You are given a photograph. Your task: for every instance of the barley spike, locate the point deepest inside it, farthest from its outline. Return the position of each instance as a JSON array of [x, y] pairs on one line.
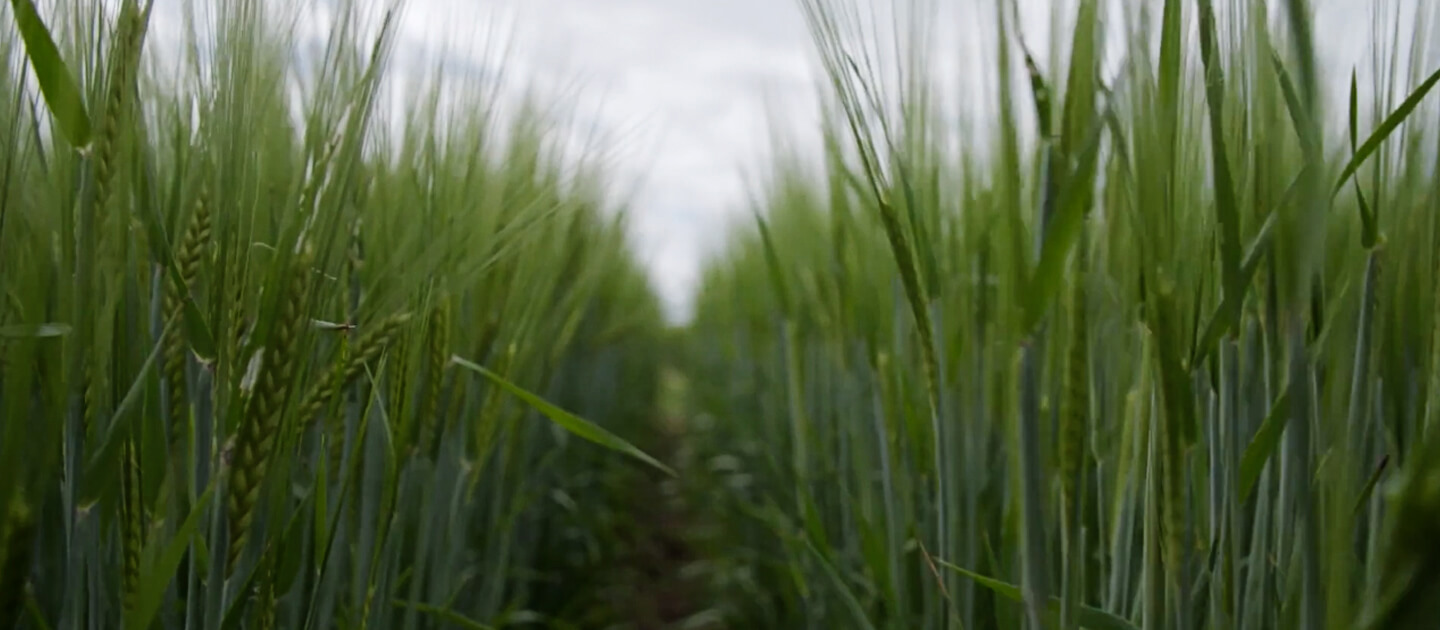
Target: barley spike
[[133, 523], [365, 350], [437, 347], [262, 420]]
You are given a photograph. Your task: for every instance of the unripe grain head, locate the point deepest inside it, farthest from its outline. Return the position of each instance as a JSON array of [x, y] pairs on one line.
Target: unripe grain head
[[261, 423]]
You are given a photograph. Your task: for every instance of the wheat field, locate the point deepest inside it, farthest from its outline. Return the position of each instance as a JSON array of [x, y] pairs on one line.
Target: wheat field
[[1143, 334]]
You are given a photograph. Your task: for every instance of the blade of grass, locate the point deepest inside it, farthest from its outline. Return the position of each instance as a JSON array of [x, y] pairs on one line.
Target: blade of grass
[[1089, 616], [57, 84], [158, 575], [575, 425], [34, 331], [1263, 445], [1387, 126], [1233, 283], [445, 615]]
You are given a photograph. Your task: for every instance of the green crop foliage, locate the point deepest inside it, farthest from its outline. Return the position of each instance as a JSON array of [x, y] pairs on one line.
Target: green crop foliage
[[1142, 334], [229, 316], [1143, 342]]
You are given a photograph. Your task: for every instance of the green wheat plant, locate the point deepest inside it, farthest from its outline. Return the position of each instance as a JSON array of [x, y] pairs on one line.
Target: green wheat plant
[[229, 316], [1142, 342]]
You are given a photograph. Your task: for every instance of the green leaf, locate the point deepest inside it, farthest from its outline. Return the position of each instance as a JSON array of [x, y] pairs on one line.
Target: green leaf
[[575, 425], [321, 530], [1298, 118], [772, 262], [1262, 446], [853, 605], [1370, 485], [1386, 127], [57, 84], [1369, 233], [156, 577], [1354, 112], [444, 614], [1227, 314], [97, 469], [1003, 589], [1226, 212], [1080, 86], [1090, 617], [286, 555], [1063, 233], [34, 331], [1039, 91]]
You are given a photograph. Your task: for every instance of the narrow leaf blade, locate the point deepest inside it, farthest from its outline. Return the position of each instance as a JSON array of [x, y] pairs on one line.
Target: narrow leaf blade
[[57, 84], [1263, 445], [575, 425], [1090, 617], [1386, 127], [158, 576]]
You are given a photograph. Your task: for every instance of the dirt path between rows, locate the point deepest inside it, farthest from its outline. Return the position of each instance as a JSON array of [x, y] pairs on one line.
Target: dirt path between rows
[[662, 597], [664, 591]]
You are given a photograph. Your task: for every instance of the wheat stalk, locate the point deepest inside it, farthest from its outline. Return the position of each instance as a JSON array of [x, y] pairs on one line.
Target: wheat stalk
[[265, 598], [1076, 404]]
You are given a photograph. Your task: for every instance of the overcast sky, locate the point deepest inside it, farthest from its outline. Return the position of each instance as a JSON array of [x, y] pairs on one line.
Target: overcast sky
[[683, 87], [682, 84], [685, 84]]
